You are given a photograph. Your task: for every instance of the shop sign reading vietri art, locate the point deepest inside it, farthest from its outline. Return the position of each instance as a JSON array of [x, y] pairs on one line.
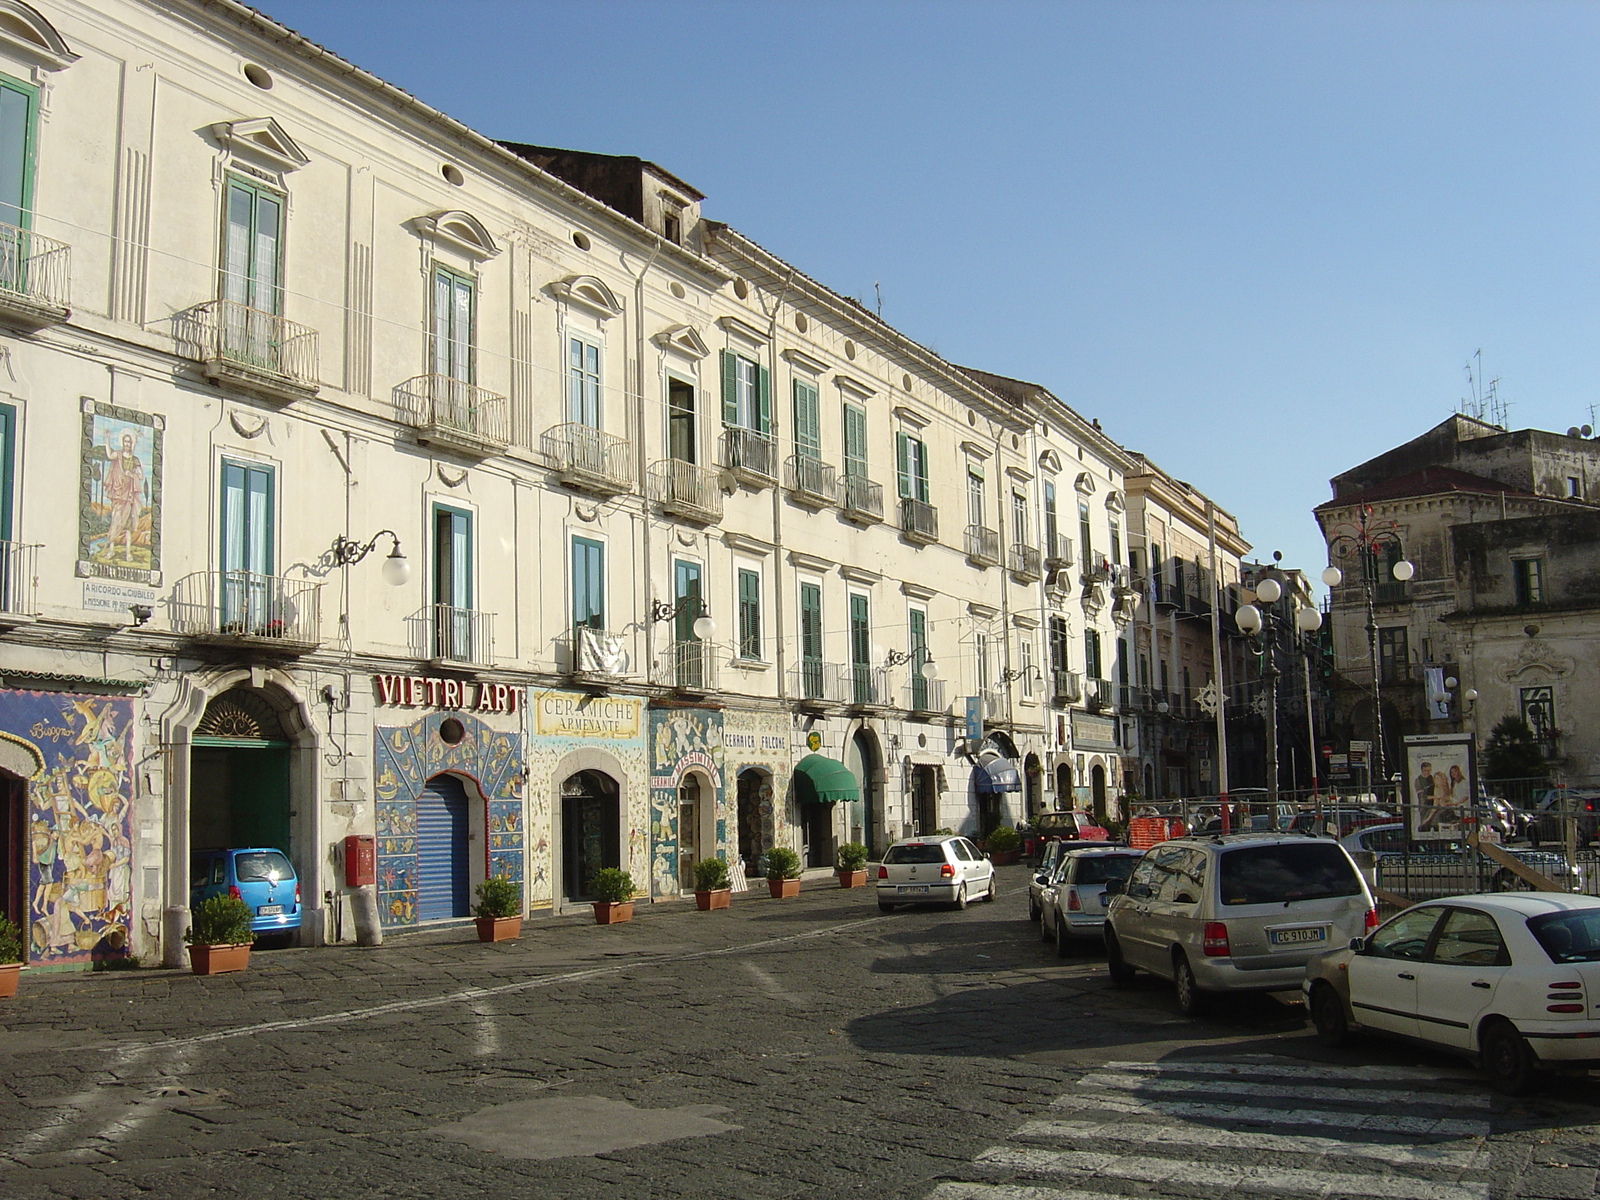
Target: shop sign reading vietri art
[[462, 695]]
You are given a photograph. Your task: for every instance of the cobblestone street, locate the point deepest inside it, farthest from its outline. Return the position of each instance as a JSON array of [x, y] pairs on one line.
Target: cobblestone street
[[808, 1047]]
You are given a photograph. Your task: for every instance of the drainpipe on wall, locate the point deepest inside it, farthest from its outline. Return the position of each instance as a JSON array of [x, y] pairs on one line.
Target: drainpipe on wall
[[641, 457]]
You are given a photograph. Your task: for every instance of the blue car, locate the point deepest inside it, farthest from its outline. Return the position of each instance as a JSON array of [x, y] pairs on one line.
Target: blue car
[[263, 878]]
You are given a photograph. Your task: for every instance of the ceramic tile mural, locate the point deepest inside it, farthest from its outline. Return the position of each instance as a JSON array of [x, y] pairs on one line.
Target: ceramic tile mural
[[119, 501], [560, 723], [80, 876], [680, 739], [406, 757]]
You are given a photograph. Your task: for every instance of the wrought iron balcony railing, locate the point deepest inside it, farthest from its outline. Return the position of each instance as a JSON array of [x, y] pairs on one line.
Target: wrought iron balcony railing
[[751, 456], [1025, 564], [19, 583], [983, 546], [455, 414], [865, 684], [812, 680], [919, 521], [687, 666], [860, 499], [589, 458], [1101, 693], [1057, 551], [35, 278], [811, 481], [442, 633], [597, 653], [243, 607], [250, 349], [1066, 687], [686, 490], [925, 695]]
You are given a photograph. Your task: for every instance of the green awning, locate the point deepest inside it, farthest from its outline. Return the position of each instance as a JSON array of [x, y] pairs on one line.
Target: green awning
[[828, 778]]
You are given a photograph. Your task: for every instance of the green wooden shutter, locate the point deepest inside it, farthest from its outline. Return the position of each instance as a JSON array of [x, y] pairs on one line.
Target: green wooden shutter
[[855, 440], [730, 388], [763, 400], [807, 427], [902, 451], [749, 615]]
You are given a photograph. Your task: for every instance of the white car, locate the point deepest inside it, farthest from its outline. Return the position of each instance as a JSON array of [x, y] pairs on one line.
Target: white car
[[1511, 979], [947, 869]]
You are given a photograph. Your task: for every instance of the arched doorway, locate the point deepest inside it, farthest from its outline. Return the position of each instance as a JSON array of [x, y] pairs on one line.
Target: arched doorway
[[864, 817], [1064, 796], [696, 825], [590, 831], [924, 801], [752, 835], [1032, 788], [1097, 793], [239, 776], [444, 867]]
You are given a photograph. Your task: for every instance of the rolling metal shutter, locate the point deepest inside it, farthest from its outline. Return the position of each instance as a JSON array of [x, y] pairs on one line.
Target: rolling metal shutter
[[443, 873]]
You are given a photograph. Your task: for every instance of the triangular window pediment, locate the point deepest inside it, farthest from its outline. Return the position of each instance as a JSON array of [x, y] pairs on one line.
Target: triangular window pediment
[[588, 292], [1085, 483], [682, 339], [261, 140], [23, 29], [461, 231]]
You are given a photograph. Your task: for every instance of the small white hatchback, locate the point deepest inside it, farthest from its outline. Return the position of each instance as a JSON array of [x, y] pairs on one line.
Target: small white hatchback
[[947, 869]]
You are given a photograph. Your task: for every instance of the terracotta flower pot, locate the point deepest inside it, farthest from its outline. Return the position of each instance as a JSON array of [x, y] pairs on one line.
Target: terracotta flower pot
[[1005, 858], [612, 912], [498, 929], [720, 898], [781, 888], [9, 974], [852, 879], [215, 960]]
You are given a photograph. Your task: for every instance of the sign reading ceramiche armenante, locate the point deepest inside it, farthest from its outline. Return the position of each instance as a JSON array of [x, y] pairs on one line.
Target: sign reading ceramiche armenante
[[462, 695], [586, 716]]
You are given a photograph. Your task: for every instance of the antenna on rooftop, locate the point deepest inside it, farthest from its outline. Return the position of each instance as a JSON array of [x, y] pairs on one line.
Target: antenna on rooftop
[[1483, 402], [879, 294]]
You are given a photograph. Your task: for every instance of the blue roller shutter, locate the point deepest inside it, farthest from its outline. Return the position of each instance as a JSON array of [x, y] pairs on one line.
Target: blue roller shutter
[[443, 872]]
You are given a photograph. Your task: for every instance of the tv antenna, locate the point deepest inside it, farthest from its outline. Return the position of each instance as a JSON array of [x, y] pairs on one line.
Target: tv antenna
[[1483, 402]]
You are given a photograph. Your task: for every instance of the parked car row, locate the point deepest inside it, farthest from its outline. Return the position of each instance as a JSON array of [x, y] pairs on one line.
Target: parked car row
[[1510, 979]]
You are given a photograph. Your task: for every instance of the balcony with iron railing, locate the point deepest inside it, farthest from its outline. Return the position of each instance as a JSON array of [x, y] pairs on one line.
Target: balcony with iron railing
[[752, 456], [589, 459], [1025, 563], [686, 490], [992, 704], [687, 666], [1057, 551], [860, 499], [449, 636], [919, 521], [1066, 687], [866, 686], [812, 681], [925, 695], [35, 278], [19, 584], [810, 481], [453, 414], [596, 654], [243, 608], [983, 546], [250, 350], [1099, 694]]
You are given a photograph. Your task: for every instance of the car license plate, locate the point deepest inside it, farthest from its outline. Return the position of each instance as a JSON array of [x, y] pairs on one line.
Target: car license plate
[[922, 888], [1297, 937], [269, 910]]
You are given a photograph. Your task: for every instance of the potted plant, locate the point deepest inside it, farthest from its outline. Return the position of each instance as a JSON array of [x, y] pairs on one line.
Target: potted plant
[[219, 935], [711, 888], [499, 911], [851, 862], [1004, 845], [613, 890], [783, 872], [10, 957]]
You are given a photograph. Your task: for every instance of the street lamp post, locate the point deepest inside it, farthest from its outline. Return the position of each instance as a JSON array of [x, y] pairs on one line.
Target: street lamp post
[[1370, 539], [1268, 630]]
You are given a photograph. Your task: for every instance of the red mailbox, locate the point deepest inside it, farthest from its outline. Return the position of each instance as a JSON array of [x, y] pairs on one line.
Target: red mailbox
[[360, 860]]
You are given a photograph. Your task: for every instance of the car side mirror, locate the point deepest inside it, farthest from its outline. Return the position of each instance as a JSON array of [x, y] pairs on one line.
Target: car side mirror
[[1115, 887], [986, 854], [1358, 944]]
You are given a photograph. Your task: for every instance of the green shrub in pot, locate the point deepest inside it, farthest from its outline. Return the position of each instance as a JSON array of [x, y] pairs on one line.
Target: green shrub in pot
[[782, 863], [710, 875], [612, 885], [851, 856]]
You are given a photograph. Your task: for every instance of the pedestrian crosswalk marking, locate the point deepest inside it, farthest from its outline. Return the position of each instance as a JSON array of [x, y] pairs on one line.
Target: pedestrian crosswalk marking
[[1238, 1086], [1253, 1177], [1461, 1157], [1245, 1114], [1401, 1076]]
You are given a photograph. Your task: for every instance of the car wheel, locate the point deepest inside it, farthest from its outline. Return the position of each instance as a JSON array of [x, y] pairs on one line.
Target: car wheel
[[884, 906], [1191, 1000], [1327, 1014], [1506, 1059], [994, 888], [1121, 973], [1064, 942], [1034, 911], [961, 897]]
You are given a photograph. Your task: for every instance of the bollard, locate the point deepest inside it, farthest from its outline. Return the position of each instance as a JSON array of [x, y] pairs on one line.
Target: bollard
[[364, 914]]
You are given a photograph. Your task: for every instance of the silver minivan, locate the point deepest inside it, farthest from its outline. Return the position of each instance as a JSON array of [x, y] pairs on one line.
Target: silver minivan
[[1240, 913]]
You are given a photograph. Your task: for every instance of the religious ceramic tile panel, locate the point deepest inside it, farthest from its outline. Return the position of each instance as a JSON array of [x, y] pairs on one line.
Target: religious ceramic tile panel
[[407, 756], [560, 723], [78, 816], [755, 747], [119, 494], [683, 740]]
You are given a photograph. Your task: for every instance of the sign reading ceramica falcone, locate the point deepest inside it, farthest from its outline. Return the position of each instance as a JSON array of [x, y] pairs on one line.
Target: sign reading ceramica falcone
[[567, 715]]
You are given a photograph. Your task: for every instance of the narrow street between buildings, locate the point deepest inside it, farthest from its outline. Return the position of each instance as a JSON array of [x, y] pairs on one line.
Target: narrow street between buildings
[[784, 1048]]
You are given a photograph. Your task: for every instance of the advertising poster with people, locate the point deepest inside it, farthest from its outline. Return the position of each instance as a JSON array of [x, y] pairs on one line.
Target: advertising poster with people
[[1439, 784]]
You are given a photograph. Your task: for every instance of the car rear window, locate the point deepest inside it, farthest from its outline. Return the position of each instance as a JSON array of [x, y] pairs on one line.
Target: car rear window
[[261, 865], [1570, 936], [918, 853], [1280, 874], [1100, 868]]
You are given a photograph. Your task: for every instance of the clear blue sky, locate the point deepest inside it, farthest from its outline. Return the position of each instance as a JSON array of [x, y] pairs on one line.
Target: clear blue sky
[[1259, 241]]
